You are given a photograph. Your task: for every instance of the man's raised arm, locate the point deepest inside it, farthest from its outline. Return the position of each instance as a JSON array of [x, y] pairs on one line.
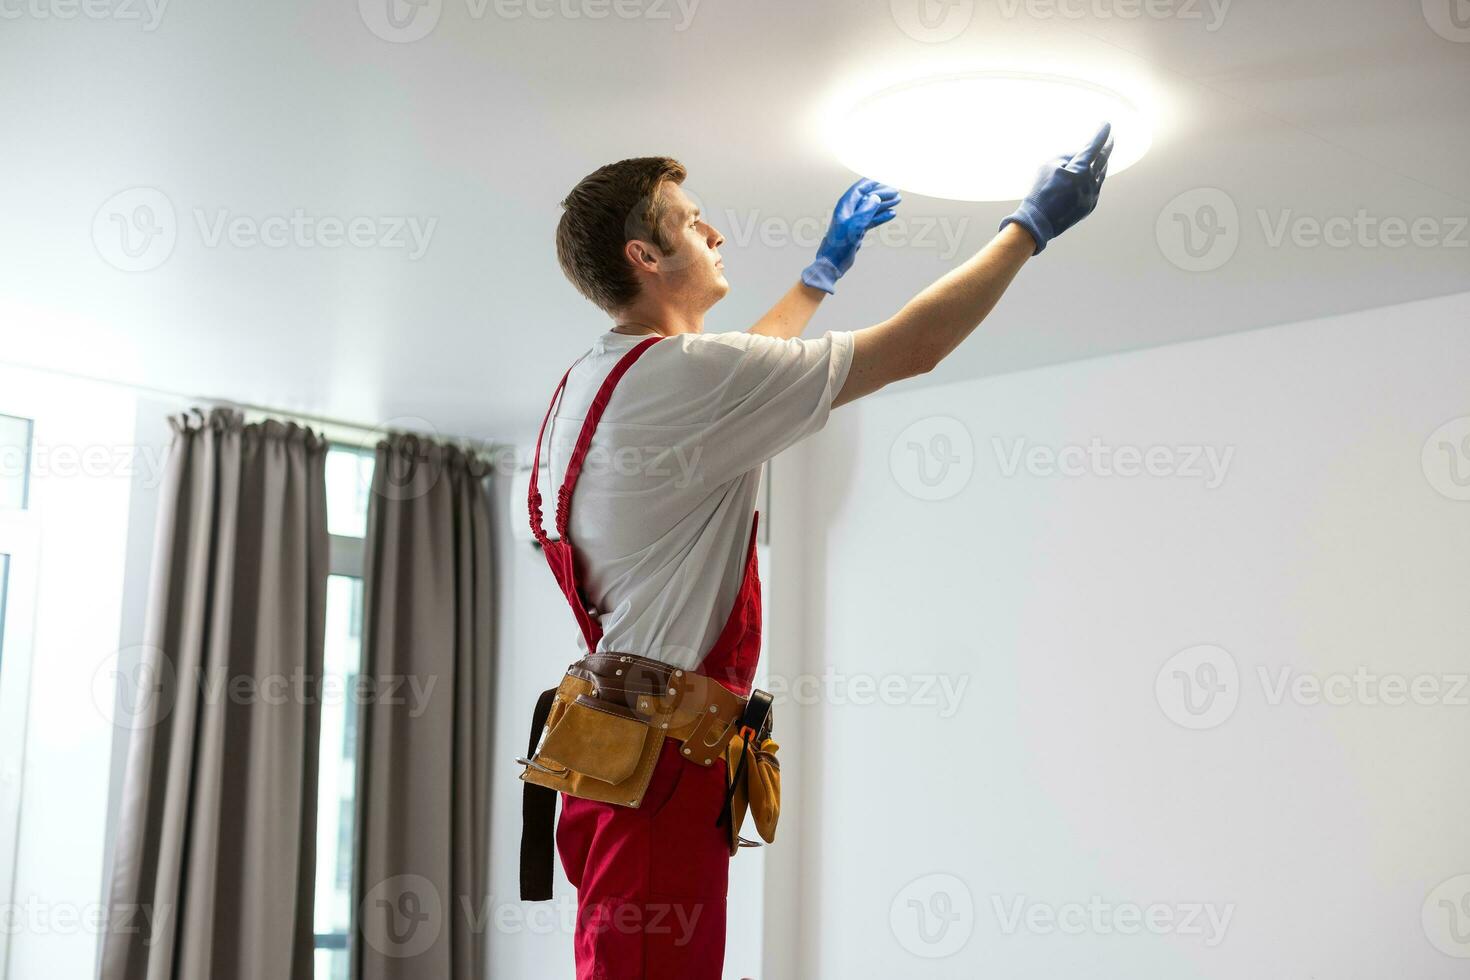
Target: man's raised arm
[[866, 204], [932, 324]]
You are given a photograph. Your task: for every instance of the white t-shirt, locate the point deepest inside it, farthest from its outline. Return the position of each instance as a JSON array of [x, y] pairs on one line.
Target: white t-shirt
[[661, 514]]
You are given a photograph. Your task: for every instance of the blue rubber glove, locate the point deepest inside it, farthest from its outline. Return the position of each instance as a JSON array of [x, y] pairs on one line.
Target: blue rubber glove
[[1066, 190], [866, 204]]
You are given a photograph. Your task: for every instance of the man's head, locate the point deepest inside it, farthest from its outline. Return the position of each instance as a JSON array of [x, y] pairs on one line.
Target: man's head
[[629, 235]]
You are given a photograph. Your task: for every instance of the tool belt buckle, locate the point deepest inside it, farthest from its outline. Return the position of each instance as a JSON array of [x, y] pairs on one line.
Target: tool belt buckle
[[699, 701]]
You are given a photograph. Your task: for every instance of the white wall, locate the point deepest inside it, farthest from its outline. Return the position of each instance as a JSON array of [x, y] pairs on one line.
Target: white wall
[[1054, 604], [83, 469]]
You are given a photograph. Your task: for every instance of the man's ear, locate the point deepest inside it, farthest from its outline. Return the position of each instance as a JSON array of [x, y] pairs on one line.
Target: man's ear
[[641, 254]]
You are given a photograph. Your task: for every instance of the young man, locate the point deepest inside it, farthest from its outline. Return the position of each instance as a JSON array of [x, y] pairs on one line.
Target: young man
[[663, 430]]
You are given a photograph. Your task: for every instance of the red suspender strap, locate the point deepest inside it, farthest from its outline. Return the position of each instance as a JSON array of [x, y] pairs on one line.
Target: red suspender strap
[[558, 553], [533, 499], [584, 440]]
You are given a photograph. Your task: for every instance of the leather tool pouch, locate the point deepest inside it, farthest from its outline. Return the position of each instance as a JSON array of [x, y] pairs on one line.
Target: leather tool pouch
[[593, 744], [754, 775]]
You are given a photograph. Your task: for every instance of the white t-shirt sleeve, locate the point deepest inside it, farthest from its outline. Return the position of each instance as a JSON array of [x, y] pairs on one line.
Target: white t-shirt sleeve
[[767, 394]]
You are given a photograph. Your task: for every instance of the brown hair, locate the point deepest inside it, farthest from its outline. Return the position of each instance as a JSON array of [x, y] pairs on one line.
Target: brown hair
[[607, 209]]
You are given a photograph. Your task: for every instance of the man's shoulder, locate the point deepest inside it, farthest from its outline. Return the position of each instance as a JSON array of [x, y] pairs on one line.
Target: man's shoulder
[[730, 345]]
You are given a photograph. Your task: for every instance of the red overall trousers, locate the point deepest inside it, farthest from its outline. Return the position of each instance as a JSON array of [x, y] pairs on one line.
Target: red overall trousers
[[651, 881]]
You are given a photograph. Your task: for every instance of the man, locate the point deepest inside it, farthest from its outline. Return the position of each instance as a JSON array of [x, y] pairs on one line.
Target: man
[[663, 433]]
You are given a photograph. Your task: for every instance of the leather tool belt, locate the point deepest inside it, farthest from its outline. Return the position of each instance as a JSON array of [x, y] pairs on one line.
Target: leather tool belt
[[599, 733]]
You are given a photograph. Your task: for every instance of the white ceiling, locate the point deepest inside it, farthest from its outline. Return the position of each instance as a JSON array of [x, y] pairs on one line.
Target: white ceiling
[[1308, 108]]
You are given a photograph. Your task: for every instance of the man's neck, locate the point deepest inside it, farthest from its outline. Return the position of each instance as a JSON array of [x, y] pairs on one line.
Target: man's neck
[[666, 323]]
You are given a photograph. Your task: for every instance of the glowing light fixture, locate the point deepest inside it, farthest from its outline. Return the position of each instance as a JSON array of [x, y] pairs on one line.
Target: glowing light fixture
[[980, 136]]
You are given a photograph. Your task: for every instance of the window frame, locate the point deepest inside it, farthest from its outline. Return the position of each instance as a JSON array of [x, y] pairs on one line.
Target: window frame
[[20, 540], [346, 559]]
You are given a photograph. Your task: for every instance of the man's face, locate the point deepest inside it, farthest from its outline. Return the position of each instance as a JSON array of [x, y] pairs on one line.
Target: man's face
[[694, 271]]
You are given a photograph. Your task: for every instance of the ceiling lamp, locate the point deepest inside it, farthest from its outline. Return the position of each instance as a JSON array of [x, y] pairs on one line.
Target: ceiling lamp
[[981, 136]]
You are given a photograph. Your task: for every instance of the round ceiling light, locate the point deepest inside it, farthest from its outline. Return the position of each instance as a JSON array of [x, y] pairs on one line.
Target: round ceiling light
[[981, 136]]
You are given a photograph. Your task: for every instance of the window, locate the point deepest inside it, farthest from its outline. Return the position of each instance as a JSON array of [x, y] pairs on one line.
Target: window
[[349, 475], [19, 539], [15, 462]]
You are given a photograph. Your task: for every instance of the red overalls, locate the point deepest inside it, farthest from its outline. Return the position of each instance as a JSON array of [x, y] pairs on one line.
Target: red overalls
[[651, 881]]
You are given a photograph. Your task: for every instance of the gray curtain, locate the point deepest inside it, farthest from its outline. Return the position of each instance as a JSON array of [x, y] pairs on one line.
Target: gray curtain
[[424, 755], [213, 875]]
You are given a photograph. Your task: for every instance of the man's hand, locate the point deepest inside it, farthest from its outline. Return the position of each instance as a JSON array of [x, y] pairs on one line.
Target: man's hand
[[1066, 190], [866, 204]]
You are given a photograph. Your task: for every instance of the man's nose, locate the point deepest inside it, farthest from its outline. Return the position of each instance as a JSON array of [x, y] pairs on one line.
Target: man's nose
[[716, 239]]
